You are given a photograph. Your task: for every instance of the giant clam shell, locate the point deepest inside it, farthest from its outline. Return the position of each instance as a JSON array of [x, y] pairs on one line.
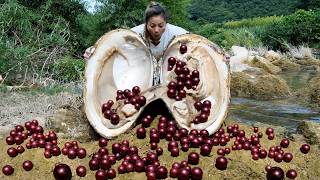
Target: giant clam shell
[[122, 60]]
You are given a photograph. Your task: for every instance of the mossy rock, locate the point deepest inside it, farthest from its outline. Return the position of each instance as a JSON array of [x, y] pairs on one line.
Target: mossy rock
[[71, 123], [265, 64], [307, 62], [311, 93], [264, 87], [287, 65], [310, 131]]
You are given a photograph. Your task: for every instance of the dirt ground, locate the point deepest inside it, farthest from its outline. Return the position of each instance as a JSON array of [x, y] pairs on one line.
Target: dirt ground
[[16, 108]]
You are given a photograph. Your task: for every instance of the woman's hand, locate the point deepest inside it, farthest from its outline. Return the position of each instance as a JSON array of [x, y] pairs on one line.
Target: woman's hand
[[89, 51], [226, 58]]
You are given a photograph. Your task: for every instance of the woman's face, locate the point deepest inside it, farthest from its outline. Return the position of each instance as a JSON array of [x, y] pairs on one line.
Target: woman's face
[[156, 26]]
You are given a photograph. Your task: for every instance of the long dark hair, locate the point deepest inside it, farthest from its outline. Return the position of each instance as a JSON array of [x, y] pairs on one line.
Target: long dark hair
[[153, 9]]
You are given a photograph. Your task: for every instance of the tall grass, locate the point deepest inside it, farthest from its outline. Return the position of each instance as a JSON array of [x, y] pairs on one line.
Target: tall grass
[[252, 22]]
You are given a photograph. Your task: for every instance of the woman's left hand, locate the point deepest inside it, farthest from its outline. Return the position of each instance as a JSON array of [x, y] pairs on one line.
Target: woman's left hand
[[226, 58]]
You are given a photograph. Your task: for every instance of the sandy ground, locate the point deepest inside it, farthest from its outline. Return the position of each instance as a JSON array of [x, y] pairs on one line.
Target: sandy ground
[[16, 108]]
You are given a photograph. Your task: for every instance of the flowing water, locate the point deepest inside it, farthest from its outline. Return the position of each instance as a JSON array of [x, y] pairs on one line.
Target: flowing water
[[286, 113]]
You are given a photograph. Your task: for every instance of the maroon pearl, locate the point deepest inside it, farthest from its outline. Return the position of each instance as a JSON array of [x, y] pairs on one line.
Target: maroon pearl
[[115, 119], [152, 156], [62, 171], [159, 151], [174, 172], [275, 173], [278, 158], [255, 156], [56, 151], [101, 175], [162, 172], [207, 104], [221, 163], [151, 176], [81, 153], [129, 167], [121, 169], [103, 142], [183, 48], [136, 90], [81, 171], [111, 173], [227, 150], [205, 150], [185, 147], [18, 139], [269, 131], [184, 174], [197, 105], [20, 149], [154, 137], [193, 158], [271, 136], [139, 166], [27, 165], [172, 61], [7, 170], [64, 151], [263, 154], [94, 164], [268, 167], [141, 133], [105, 164], [284, 143], [291, 174], [196, 173], [115, 148], [172, 144], [287, 157], [47, 154], [174, 152], [220, 152], [10, 140], [12, 152], [103, 151], [305, 148]]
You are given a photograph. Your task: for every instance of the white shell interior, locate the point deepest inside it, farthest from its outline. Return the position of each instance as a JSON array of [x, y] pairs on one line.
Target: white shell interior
[[214, 81], [120, 61]]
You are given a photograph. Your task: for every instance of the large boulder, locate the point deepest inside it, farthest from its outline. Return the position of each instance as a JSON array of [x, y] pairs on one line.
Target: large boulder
[[311, 93], [286, 65], [272, 56], [264, 87], [238, 62], [265, 64], [310, 131]]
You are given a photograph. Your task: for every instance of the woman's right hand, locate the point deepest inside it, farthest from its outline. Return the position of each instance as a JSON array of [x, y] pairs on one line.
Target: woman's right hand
[[89, 51]]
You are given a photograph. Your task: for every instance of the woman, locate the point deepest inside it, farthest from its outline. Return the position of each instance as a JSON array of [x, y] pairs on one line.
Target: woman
[[155, 30], [157, 34]]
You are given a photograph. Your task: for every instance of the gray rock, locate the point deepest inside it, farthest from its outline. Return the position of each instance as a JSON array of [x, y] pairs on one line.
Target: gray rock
[[310, 131], [70, 122]]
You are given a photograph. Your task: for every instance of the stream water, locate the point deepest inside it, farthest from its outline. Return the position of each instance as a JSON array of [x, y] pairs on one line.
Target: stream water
[[286, 113]]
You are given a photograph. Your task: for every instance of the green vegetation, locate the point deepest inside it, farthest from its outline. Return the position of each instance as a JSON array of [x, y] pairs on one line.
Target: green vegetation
[[41, 39], [227, 10]]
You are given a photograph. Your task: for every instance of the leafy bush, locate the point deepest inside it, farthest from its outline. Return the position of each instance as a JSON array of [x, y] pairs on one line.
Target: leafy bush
[[31, 41], [299, 28], [226, 37], [68, 69], [252, 22]]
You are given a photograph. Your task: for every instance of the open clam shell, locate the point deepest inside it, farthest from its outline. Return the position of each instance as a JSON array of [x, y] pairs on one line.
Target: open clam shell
[[208, 59], [122, 60]]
